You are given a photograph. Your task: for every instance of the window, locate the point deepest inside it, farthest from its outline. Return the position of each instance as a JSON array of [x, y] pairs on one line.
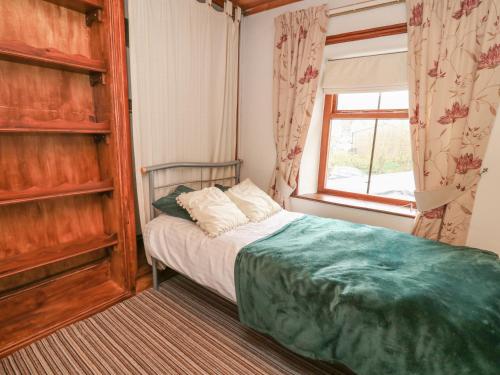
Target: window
[[366, 149]]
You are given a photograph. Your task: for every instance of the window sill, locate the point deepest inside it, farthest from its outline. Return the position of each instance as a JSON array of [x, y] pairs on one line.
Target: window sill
[[360, 204]]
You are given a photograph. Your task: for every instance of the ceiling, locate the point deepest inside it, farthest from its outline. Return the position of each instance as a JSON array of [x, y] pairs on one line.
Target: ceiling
[[255, 6]]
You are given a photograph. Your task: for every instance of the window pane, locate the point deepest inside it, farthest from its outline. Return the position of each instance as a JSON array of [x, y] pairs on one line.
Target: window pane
[[392, 174], [349, 155], [357, 101], [394, 100]]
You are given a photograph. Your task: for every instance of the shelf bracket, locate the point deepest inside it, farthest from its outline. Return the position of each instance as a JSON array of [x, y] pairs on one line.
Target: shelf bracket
[[94, 15], [97, 79]]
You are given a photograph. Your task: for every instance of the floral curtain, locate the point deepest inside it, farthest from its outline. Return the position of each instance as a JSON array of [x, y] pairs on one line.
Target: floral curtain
[[298, 51], [454, 67]]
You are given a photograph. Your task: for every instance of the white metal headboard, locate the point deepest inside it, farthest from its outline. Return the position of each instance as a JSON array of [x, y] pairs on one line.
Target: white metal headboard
[[151, 170]]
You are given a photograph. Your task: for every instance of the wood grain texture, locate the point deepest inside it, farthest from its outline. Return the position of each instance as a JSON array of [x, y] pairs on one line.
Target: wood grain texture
[[34, 161], [49, 255], [376, 32], [35, 312], [46, 116], [36, 93], [49, 57], [42, 24], [65, 190], [32, 226], [53, 126], [119, 153], [79, 5], [256, 6], [18, 281]]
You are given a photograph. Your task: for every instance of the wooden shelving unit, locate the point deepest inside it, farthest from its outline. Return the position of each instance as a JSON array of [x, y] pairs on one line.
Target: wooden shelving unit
[[67, 243], [40, 309], [25, 262], [55, 126], [79, 5], [49, 57], [38, 194]]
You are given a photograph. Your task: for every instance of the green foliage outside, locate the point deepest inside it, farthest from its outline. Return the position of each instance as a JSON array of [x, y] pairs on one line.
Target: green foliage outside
[[392, 151]]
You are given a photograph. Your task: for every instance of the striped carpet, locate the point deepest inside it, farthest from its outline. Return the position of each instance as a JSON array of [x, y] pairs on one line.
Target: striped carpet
[[184, 329]]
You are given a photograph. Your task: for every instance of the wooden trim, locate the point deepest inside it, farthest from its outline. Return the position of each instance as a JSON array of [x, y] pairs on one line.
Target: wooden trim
[[27, 261], [54, 126], [359, 204], [55, 303], [37, 194], [367, 197], [385, 113], [79, 5], [117, 60], [49, 57], [330, 104], [330, 112], [270, 4], [376, 32]]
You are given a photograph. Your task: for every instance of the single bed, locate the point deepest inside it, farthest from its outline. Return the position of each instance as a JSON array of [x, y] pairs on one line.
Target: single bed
[[376, 300], [185, 248]]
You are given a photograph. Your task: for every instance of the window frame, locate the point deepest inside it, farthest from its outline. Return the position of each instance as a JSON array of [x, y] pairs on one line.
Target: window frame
[[331, 112]]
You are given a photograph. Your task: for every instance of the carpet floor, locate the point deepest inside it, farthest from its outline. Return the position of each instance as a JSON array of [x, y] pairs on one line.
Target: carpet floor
[[183, 329]]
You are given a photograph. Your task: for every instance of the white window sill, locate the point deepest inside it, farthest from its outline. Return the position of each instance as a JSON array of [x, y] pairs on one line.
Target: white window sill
[[360, 204]]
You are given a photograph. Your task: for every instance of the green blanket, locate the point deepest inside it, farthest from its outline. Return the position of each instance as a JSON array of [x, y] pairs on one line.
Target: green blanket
[[379, 301]]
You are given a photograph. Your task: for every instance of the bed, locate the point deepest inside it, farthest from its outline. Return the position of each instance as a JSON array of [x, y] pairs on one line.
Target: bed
[[376, 300]]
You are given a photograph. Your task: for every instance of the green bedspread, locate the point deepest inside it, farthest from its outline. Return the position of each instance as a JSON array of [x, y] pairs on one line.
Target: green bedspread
[[379, 301]]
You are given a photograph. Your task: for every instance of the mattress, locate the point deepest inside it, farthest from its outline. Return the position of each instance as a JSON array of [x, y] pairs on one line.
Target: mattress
[[183, 246]]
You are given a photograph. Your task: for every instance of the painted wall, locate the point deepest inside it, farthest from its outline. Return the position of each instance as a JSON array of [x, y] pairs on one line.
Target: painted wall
[[256, 145]]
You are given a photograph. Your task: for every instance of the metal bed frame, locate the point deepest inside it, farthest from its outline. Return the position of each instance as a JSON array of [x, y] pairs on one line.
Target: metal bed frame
[[152, 170]]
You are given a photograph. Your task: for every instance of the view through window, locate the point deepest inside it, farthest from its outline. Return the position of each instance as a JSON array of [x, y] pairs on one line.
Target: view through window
[[368, 151]]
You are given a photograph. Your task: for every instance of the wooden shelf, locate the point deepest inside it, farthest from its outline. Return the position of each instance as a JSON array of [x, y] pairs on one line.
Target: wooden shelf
[[79, 5], [35, 194], [33, 259], [34, 312], [54, 126], [48, 57]]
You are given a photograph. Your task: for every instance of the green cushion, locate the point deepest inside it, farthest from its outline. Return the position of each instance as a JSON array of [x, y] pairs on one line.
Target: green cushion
[[168, 203], [222, 187]]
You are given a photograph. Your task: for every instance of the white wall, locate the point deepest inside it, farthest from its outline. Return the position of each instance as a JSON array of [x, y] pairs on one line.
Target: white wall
[[484, 229], [256, 146]]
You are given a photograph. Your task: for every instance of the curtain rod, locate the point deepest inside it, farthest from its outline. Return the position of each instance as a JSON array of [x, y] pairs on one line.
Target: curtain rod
[[365, 5]]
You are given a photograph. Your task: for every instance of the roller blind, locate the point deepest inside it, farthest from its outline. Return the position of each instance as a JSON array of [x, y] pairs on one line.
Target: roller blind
[[366, 74]]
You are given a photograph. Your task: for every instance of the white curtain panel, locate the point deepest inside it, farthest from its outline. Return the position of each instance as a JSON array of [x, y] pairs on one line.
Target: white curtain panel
[[184, 71]]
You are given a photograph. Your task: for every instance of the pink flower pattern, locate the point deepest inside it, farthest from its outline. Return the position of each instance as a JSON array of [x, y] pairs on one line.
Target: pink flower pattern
[[414, 119], [490, 59], [456, 112], [454, 59], [435, 72], [295, 78], [435, 213], [466, 7], [282, 40], [302, 33], [309, 74], [417, 15], [467, 162]]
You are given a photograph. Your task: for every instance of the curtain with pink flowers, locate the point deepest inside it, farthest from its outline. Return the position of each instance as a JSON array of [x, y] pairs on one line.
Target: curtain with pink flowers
[[298, 50], [454, 65]]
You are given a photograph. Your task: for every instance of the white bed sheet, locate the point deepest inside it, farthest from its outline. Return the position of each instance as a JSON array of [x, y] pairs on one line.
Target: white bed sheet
[[182, 246]]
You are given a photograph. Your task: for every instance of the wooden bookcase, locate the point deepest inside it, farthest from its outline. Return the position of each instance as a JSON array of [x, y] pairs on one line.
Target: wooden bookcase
[[67, 227]]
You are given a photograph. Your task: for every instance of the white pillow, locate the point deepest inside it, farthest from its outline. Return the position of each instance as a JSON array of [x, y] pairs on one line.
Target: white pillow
[[252, 201], [213, 210]]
